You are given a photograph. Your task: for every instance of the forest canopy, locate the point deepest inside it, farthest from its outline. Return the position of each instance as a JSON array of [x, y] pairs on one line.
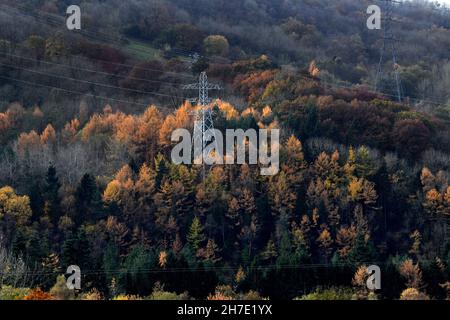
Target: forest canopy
[[86, 176]]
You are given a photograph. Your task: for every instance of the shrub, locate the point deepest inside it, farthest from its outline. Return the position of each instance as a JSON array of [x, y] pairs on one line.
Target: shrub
[[38, 294], [11, 293], [413, 294], [329, 294]]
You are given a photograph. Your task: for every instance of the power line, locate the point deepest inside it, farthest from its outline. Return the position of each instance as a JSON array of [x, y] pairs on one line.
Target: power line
[[119, 44], [203, 124], [213, 268], [336, 86], [388, 41], [74, 92], [179, 74], [192, 76], [87, 70], [93, 83], [99, 36]]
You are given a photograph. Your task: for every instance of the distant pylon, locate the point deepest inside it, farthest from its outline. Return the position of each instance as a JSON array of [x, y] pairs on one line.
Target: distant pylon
[[203, 124], [388, 44]]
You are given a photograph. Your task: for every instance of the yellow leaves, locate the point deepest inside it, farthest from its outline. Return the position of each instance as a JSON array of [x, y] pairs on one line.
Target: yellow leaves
[[112, 192], [427, 179], [350, 166], [250, 112], [70, 130], [328, 184], [412, 273], [5, 193], [313, 69], [240, 275], [315, 216], [327, 167], [33, 142], [218, 296], [151, 114], [227, 109], [305, 224], [38, 294], [48, 136], [282, 197], [209, 253], [224, 292], [145, 185], [93, 295], [180, 119], [359, 278], [322, 163], [100, 125], [416, 237], [437, 193], [433, 195], [162, 261], [127, 297], [345, 239], [437, 203], [362, 190], [413, 294], [294, 145], [125, 129], [355, 188], [295, 159], [15, 206], [19, 208], [4, 123], [28, 142], [125, 175], [447, 196], [324, 239], [335, 156]]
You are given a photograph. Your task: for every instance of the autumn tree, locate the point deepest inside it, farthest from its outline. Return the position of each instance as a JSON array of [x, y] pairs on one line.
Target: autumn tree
[[14, 206]]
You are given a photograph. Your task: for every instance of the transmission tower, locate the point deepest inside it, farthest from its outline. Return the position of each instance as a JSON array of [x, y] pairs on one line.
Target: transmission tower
[[203, 123], [389, 44]]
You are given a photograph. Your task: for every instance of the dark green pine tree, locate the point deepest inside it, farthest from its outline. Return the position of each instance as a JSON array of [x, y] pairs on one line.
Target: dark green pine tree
[[312, 119], [69, 250], [88, 201], [161, 169], [52, 201], [285, 255], [363, 251], [36, 201], [76, 250], [111, 261], [135, 277]]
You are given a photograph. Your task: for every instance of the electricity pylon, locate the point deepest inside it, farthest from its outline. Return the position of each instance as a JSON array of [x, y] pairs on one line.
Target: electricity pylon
[[203, 124], [389, 44]]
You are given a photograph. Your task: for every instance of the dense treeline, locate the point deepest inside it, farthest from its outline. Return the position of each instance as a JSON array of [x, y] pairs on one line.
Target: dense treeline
[[292, 33], [117, 207], [364, 180]]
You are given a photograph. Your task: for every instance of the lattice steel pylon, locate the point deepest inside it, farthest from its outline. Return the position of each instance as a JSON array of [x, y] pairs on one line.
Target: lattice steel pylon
[[389, 43], [203, 124]]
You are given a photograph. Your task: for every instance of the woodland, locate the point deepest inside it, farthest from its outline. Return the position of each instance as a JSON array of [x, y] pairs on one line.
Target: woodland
[[86, 177]]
